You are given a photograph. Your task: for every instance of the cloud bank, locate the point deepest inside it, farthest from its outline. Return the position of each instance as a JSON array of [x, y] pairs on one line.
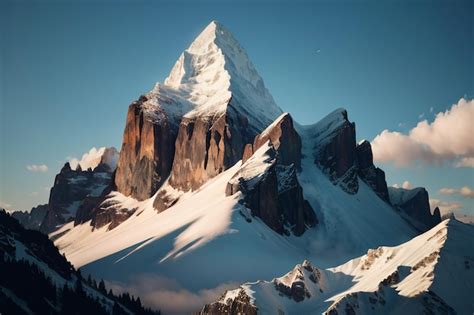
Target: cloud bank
[[463, 191], [94, 157], [37, 168], [448, 138]]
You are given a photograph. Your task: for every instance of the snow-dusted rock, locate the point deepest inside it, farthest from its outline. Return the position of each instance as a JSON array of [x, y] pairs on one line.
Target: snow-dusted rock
[[70, 189], [272, 192], [335, 149], [284, 139], [414, 204]]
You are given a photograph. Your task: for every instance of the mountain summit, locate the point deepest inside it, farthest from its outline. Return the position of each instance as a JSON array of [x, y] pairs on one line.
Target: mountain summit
[[214, 70], [196, 124]]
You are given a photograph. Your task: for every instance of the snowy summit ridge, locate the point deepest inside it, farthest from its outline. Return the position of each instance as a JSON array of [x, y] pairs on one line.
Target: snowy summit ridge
[[213, 73]]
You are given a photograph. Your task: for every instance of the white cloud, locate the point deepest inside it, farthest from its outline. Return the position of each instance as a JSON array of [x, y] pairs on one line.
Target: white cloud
[[167, 295], [465, 162], [37, 168], [421, 115], [93, 158], [447, 138], [33, 194], [89, 159], [431, 109], [445, 206], [406, 185], [463, 191]]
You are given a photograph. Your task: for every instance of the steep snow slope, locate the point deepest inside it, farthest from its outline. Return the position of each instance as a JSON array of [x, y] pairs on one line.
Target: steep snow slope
[[430, 273]]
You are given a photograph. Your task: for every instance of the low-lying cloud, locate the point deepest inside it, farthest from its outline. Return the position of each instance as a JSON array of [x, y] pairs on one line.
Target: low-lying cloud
[[37, 168], [463, 191], [448, 138], [168, 295]]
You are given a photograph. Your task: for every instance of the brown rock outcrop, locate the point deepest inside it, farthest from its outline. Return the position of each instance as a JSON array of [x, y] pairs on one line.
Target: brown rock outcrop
[[273, 193], [206, 146], [147, 150], [285, 140], [335, 150]]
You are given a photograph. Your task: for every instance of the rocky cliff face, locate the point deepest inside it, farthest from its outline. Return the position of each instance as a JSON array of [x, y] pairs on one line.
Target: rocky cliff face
[[337, 153], [284, 138], [415, 204], [206, 146], [372, 175], [335, 149], [269, 183], [70, 189], [147, 150]]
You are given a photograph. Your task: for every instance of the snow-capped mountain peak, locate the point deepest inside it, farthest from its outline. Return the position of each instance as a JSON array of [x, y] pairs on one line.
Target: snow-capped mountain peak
[[215, 69]]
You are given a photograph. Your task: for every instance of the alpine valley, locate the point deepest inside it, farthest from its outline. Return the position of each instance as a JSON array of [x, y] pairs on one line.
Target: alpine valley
[[220, 203]]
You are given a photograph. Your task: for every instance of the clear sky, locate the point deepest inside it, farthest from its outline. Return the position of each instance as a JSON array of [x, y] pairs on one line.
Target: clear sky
[[70, 69]]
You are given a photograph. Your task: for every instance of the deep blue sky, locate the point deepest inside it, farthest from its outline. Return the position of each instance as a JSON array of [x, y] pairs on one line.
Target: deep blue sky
[[69, 71]]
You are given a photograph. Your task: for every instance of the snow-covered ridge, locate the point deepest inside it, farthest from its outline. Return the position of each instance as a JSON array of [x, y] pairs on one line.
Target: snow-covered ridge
[[432, 272], [214, 70]]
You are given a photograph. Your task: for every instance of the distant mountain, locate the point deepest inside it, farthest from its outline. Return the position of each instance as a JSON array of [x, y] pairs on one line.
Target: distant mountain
[[431, 274], [36, 279], [32, 220], [414, 205], [71, 189]]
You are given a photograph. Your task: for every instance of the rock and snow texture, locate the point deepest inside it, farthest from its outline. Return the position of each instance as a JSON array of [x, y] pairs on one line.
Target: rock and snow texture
[[72, 187], [199, 168], [197, 123], [430, 274], [414, 204]]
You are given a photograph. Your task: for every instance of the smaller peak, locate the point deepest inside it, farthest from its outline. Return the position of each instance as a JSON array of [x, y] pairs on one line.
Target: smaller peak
[[363, 142], [211, 32]]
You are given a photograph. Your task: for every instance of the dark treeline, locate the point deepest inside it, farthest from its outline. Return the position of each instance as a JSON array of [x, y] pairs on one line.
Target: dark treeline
[[25, 288]]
